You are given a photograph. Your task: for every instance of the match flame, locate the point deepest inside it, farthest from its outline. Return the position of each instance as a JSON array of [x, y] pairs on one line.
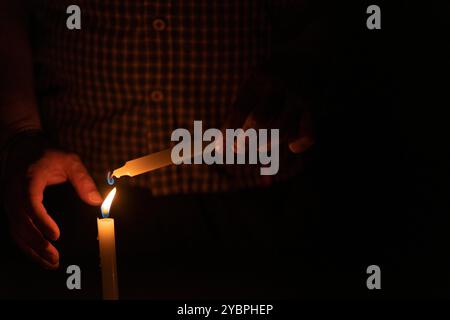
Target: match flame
[[106, 205]]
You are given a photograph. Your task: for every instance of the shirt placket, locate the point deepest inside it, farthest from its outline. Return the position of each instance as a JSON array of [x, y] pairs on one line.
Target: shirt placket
[[159, 117]]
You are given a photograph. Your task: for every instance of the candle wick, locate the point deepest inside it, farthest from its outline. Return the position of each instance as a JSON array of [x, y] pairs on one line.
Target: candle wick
[[104, 214]]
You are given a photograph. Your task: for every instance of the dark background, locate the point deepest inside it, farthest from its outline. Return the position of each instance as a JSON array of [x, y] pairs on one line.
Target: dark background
[[375, 190]]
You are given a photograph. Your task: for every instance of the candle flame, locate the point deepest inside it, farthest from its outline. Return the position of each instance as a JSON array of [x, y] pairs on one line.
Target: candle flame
[[106, 205], [110, 178]]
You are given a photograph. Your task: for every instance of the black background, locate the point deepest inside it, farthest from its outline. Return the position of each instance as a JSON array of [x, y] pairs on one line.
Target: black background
[[375, 189]]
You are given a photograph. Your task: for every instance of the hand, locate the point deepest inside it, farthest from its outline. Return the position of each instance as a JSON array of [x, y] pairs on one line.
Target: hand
[[266, 101], [31, 226]]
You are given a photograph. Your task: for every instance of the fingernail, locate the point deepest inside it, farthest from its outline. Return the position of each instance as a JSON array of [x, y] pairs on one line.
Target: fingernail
[[54, 236], [94, 196], [51, 266], [50, 257]]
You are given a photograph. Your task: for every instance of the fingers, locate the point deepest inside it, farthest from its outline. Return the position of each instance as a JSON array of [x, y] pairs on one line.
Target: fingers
[[300, 145], [30, 223], [36, 210], [264, 102], [82, 181], [241, 142], [302, 140], [252, 122], [57, 168], [33, 255], [305, 138], [32, 242]]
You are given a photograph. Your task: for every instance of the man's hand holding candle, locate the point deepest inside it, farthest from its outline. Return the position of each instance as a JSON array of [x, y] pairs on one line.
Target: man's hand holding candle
[[30, 168], [267, 100]]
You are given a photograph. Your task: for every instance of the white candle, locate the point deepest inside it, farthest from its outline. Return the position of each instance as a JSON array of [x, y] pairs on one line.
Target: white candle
[[152, 162], [145, 164], [107, 245]]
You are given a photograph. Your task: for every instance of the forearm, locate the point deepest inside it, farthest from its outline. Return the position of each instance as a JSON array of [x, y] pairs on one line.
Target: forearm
[[18, 109]]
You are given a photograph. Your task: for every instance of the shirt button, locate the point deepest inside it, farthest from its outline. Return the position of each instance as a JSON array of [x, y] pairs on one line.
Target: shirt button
[[157, 96], [159, 24]]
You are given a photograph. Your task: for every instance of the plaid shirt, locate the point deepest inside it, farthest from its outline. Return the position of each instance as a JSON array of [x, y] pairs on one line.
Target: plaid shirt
[[137, 70]]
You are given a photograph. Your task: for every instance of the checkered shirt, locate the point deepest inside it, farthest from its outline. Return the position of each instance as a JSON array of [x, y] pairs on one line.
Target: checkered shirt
[[116, 89]]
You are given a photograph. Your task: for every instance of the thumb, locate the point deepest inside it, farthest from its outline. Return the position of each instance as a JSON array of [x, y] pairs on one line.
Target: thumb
[[305, 138], [301, 144], [82, 181]]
